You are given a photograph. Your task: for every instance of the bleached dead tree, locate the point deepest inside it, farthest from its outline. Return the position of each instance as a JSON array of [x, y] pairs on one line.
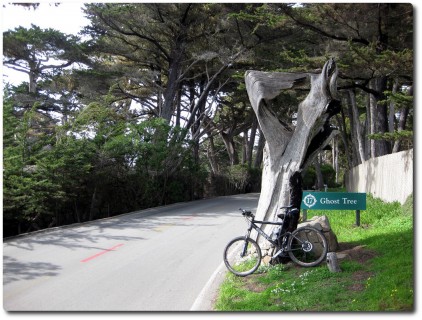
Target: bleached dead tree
[[289, 149]]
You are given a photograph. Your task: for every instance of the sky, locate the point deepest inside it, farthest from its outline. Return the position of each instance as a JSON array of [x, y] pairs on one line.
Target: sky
[[67, 17]]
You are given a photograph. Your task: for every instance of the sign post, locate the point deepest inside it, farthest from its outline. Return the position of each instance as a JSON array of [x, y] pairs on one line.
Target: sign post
[[334, 201]]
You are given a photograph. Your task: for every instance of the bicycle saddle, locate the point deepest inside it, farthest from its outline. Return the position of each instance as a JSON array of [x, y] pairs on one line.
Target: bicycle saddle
[[289, 212]]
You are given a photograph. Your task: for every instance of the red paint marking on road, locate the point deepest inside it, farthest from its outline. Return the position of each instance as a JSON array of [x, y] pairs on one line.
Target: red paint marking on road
[[190, 217], [101, 253]]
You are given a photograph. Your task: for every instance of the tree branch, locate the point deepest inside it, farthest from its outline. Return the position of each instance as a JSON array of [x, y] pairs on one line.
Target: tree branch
[[289, 12]]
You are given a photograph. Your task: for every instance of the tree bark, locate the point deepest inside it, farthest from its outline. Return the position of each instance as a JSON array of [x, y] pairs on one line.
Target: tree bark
[[356, 127], [170, 92], [250, 144], [92, 206], [404, 112], [289, 149], [392, 107], [379, 119], [319, 184], [335, 158], [211, 156], [259, 150], [230, 147]]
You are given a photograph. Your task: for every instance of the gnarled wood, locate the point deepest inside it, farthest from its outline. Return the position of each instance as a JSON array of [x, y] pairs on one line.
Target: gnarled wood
[[290, 149]]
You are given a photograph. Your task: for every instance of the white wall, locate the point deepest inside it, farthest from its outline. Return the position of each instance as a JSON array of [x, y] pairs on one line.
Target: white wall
[[388, 177]]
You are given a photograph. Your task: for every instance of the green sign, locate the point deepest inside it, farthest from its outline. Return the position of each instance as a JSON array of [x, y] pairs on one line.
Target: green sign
[[333, 201]]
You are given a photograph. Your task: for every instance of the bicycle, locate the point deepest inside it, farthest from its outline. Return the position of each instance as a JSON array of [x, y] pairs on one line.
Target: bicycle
[[306, 246]]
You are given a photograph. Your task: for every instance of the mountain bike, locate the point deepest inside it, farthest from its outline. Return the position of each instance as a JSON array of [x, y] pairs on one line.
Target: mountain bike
[[305, 246]]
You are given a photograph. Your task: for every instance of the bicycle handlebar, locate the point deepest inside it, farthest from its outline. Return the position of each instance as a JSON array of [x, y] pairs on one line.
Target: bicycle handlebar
[[246, 213], [249, 213]]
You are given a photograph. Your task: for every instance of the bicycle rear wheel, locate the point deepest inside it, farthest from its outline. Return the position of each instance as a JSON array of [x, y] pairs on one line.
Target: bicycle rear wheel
[[307, 247], [242, 256]]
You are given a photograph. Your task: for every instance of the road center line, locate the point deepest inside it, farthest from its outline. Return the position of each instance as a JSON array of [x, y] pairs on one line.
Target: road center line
[[101, 253]]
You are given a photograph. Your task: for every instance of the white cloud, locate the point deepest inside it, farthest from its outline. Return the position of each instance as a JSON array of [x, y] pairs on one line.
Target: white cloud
[[66, 17]]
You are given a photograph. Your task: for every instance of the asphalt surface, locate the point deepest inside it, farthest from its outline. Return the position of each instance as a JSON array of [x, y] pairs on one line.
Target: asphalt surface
[[162, 259]]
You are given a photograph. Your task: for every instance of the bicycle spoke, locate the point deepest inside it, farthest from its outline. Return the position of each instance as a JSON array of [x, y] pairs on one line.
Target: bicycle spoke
[[239, 263], [308, 246]]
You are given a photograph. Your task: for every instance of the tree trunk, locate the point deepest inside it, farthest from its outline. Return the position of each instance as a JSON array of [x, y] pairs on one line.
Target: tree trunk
[[211, 156], [335, 158], [367, 128], [230, 147], [289, 150], [341, 120], [319, 184], [172, 88], [93, 203], [259, 150], [78, 218], [392, 107], [251, 142], [401, 126], [379, 119], [356, 127], [404, 112]]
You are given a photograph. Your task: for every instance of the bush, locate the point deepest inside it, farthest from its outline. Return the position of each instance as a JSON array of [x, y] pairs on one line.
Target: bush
[[328, 175], [243, 178]]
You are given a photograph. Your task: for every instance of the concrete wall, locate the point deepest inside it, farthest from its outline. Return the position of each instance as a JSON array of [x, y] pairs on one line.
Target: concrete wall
[[388, 177]]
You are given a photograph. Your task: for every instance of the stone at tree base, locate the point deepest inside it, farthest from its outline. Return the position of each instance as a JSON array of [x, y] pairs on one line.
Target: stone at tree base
[[322, 224], [266, 260], [343, 256]]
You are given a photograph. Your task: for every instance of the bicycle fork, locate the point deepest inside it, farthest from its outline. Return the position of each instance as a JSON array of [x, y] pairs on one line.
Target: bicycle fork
[[245, 247]]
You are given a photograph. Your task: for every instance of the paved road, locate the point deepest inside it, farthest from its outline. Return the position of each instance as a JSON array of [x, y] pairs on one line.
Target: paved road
[[158, 259]]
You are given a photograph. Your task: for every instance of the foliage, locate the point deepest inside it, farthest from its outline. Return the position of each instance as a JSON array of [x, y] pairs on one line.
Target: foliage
[[374, 285], [404, 135], [328, 174], [243, 177]]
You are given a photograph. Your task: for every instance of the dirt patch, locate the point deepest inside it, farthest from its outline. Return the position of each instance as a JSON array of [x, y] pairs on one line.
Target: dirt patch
[[362, 255], [252, 285], [359, 254], [359, 280]]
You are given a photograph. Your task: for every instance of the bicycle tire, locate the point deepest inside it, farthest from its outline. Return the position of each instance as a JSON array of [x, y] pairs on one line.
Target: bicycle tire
[[307, 247], [242, 265]]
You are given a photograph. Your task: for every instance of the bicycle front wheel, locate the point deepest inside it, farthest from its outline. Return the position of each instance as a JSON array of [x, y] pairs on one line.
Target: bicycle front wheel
[[242, 256], [307, 247]]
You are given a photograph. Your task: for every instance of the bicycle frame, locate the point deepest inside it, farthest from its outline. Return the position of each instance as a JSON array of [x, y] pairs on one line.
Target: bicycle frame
[[252, 225]]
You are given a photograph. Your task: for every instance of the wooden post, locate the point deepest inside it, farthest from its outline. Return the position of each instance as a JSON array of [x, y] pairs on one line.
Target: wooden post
[[358, 218], [304, 215], [332, 262]]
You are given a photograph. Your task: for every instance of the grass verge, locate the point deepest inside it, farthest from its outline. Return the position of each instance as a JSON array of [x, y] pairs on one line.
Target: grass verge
[[378, 274]]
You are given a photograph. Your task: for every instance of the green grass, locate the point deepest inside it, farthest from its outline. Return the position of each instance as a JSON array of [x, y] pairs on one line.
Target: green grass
[[380, 278]]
